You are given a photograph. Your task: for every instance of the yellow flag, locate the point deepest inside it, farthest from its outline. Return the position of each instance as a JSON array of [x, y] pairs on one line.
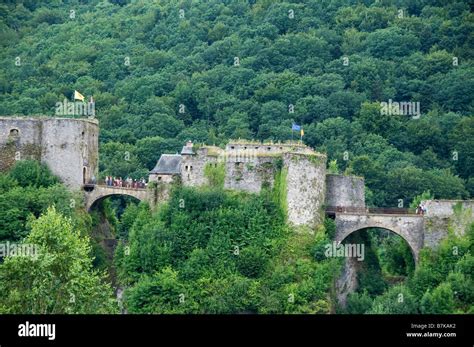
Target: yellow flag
[[78, 96], [302, 132]]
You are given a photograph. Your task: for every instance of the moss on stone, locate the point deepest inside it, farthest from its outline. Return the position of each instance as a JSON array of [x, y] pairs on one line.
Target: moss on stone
[[316, 158], [215, 174], [280, 190]]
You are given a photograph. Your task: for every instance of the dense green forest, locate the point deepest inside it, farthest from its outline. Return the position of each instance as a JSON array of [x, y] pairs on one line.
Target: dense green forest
[[163, 72]]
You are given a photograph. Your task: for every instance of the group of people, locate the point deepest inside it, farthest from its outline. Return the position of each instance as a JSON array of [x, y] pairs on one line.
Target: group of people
[[126, 183], [421, 208]]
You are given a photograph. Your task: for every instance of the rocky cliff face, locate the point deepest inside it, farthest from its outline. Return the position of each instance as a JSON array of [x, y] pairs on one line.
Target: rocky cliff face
[[347, 282]]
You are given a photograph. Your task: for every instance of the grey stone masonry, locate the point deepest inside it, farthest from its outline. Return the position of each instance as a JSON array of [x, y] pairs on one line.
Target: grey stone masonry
[[68, 146], [249, 174], [100, 192], [443, 216], [306, 187], [345, 191], [409, 227]]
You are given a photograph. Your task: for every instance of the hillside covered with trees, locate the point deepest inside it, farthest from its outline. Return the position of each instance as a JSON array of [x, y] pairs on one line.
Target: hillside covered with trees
[[164, 72]]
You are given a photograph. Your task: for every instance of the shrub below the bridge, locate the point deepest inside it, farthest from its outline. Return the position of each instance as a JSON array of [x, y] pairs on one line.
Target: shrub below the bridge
[[222, 252]]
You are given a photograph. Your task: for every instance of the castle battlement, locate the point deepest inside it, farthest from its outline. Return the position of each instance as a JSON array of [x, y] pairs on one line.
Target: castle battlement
[[248, 148], [263, 148]]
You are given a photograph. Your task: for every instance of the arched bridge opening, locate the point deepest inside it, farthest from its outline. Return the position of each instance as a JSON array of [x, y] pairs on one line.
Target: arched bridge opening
[[342, 239], [407, 225], [94, 194]]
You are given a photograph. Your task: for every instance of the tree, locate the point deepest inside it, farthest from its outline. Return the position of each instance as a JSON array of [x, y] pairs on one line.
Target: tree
[[358, 303], [162, 293], [149, 149], [462, 146], [40, 189], [440, 301], [56, 279], [391, 43], [121, 160], [397, 300], [32, 173]]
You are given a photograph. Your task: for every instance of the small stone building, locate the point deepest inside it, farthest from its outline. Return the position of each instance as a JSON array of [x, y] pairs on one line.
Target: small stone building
[[168, 166]]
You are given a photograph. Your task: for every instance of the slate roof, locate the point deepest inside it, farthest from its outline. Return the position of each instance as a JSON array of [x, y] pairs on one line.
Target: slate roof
[[168, 164], [187, 150]]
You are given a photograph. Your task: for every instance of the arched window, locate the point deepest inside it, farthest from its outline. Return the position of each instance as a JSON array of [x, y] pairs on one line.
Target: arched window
[[14, 132]]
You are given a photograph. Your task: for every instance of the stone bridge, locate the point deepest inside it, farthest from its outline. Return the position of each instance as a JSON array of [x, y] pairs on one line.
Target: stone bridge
[[409, 226], [94, 193]]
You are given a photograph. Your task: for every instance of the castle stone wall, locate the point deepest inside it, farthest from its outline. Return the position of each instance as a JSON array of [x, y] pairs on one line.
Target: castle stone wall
[[444, 215], [267, 149], [67, 146], [306, 188], [249, 174], [192, 167], [345, 191]]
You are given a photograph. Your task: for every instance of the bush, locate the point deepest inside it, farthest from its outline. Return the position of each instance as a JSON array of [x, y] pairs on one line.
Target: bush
[[439, 301], [32, 173], [358, 303], [252, 261], [397, 300]]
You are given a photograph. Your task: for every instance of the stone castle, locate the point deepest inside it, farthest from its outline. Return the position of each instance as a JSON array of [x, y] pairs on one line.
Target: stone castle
[[70, 149], [250, 166]]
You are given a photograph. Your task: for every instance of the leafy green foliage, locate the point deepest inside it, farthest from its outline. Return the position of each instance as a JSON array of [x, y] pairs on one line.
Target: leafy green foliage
[[59, 278], [358, 303], [29, 173], [232, 70], [28, 190], [211, 251], [419, 198], [215, 174], [397, 300]]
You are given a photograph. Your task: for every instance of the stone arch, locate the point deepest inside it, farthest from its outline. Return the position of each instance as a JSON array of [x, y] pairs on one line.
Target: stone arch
[[409, 227], [97, 193], [102, 197], [413, 248]]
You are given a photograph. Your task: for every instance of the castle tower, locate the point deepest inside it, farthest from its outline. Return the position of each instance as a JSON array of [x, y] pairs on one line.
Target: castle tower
[[69, 147]]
